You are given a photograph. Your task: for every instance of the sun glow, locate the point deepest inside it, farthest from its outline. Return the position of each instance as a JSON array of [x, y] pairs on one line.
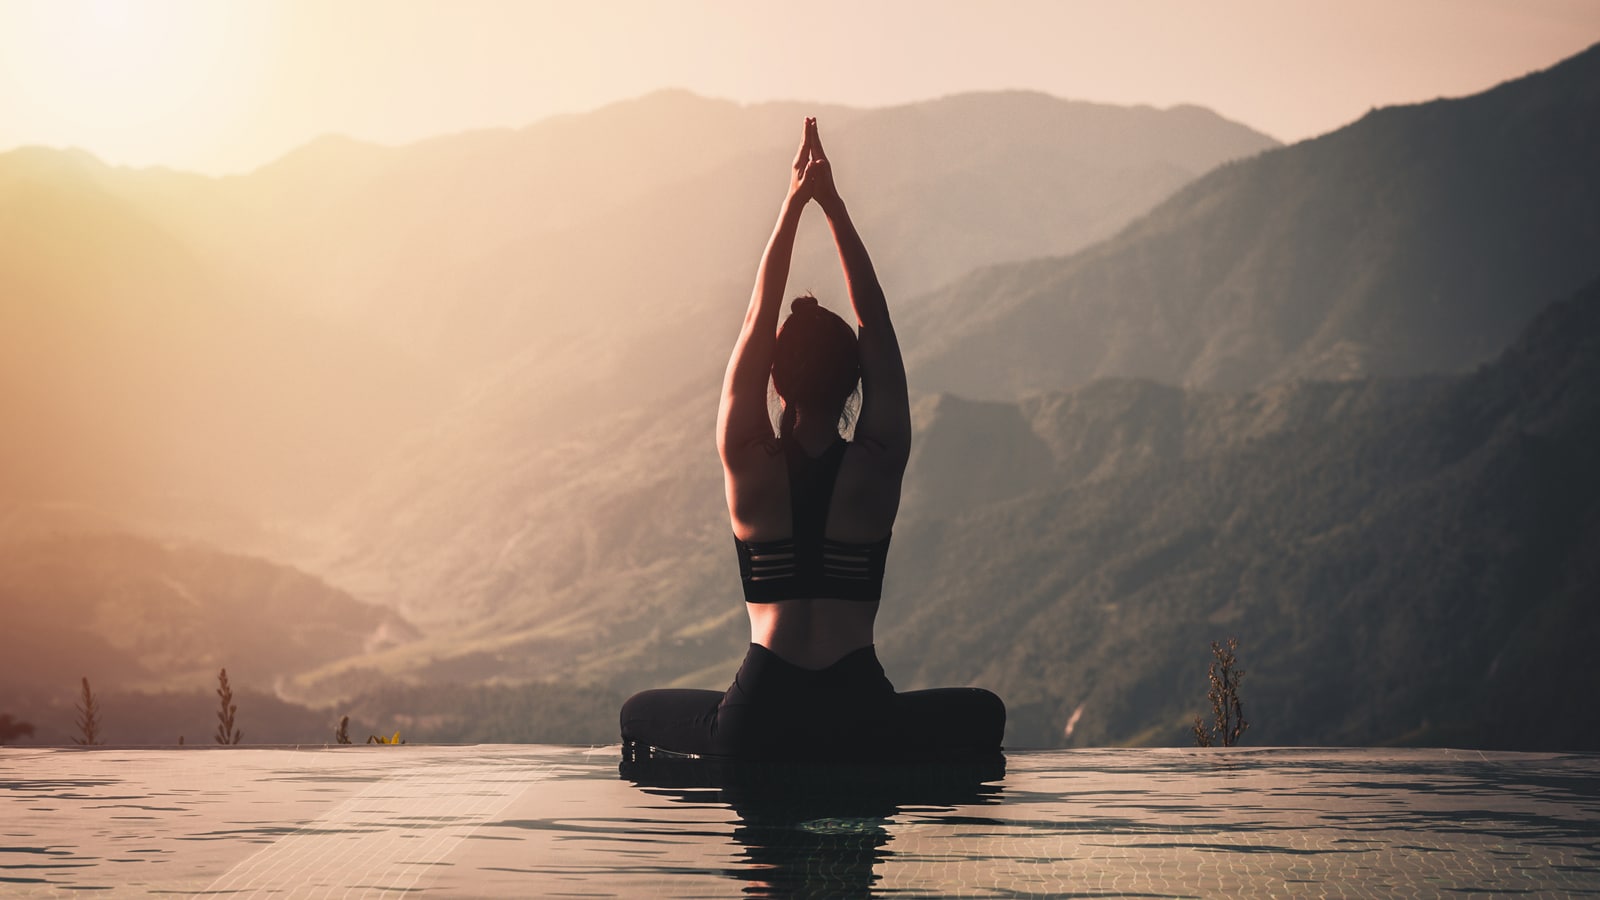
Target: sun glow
[[224, 86], [129, 76]]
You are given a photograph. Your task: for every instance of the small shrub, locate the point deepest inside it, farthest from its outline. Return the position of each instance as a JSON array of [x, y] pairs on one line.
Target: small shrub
[[342, 734], [88, 718], [226, 734], [380, 739], [1227, 711]]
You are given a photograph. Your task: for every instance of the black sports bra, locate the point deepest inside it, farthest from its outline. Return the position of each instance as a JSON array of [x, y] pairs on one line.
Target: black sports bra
[[808, 564]]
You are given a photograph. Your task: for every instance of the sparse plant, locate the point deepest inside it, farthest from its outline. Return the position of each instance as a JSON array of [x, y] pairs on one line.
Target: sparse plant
[[11, 729], [380, 739], [1227, 711], [226, 733], [342, 734], [88, 718]]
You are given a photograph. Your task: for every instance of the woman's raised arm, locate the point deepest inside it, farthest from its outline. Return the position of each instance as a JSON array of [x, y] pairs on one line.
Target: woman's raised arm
[[884, 424], [742, 420]]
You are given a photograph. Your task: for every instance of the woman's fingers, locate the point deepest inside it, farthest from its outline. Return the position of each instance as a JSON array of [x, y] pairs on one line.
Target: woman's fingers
[[804, 153], [813, 140]]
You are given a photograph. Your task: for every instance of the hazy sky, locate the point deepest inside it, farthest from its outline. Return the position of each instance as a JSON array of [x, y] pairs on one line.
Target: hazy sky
[[224, 85]]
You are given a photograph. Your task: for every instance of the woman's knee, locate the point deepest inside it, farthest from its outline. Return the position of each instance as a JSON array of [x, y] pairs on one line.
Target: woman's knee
[[990, 713], [954, 716], [667, 710], [642, 707], [987, 703], [631, 709], [978, 715]]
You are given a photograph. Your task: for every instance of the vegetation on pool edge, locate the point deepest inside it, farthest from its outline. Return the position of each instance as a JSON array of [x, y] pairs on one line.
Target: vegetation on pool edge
[[1223, 674], [1227, 711]]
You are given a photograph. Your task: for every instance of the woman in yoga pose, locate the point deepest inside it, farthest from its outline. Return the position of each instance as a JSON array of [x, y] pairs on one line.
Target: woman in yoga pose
[[811, 516]]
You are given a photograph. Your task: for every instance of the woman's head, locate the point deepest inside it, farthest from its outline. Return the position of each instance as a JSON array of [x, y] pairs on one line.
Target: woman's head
[[817, 364]]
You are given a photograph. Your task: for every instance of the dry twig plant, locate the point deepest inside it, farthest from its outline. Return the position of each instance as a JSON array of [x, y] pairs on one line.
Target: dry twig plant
[[1227, 711], [88, 718], [226, 734]]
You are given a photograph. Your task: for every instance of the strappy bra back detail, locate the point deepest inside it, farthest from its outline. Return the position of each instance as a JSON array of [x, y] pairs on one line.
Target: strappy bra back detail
[[808, 564]]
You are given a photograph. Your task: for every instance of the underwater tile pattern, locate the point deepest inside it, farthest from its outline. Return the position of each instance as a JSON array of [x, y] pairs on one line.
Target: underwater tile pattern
[[517, 821]]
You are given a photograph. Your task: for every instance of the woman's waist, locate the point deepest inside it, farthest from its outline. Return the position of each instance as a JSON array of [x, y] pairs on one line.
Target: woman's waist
[[767, 675], [812, 633]]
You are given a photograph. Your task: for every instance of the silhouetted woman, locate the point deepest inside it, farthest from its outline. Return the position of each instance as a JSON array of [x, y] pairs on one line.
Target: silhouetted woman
[[811, 515]]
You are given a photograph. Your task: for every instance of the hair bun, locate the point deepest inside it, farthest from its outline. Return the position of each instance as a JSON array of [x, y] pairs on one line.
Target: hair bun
[[799, 303]]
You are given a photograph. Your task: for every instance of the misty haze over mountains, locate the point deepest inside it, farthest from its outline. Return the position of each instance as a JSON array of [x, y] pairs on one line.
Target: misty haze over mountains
[[1170, 383]]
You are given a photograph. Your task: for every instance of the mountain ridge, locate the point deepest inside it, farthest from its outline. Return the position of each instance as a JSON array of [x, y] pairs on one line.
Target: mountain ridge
[[1287, 265]]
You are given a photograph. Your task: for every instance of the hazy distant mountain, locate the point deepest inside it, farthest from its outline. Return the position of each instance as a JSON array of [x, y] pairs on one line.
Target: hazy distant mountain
[[1419, 239], [597, 297], [195, 351], [133, 614], [481, 243], [141, 376]]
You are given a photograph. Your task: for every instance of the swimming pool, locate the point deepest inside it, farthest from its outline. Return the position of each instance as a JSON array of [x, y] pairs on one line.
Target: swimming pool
[[562, 821]]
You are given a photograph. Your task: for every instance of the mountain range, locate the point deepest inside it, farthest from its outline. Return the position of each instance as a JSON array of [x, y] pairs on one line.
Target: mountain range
[[1404, 558], [218, 354], [1417, 239], [1170, 384]]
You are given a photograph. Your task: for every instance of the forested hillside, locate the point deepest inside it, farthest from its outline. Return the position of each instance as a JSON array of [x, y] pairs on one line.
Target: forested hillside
[[1404, 561]]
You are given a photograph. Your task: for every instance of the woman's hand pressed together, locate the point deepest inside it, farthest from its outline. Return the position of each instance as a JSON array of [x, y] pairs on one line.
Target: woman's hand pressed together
[[819, 172]]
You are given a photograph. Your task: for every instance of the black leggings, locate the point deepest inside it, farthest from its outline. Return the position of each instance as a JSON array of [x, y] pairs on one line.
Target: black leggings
[[777, 710]]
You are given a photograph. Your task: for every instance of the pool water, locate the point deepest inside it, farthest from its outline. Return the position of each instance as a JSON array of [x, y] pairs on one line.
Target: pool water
[[522, 821]]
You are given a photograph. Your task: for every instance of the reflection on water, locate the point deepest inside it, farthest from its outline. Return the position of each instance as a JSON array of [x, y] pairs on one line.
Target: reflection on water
[[512, 821], [1159, 823], [816, 830]]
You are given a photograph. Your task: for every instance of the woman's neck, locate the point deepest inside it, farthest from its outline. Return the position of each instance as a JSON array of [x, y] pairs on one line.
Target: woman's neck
[[814, 434]]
